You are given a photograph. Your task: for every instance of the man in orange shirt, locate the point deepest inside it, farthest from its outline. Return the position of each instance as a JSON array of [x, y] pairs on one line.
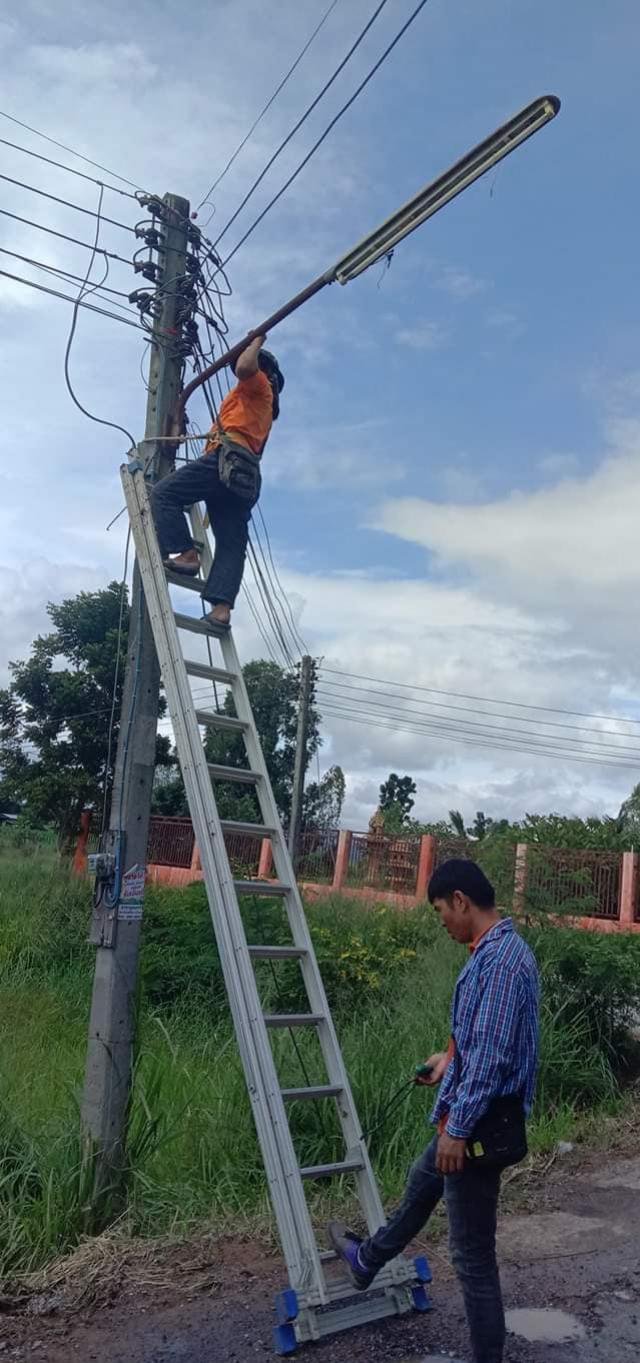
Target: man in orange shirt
[[227, 478]]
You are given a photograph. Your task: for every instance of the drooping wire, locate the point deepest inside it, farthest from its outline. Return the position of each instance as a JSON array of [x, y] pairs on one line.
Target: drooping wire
[[326, 132], [66, 275], [96, 164], [267, 106], [70, 169], [72, 331], [68, 298], [64, 236], [66, 202], [484, 700]]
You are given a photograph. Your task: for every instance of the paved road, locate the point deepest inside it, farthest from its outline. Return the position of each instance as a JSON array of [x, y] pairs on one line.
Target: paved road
[[577, 1250]]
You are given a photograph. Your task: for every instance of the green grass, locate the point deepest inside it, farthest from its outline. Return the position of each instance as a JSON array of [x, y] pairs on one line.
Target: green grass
[[193, 1156]]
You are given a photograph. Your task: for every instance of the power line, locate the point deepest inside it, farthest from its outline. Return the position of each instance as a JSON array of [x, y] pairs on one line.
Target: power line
[[301, 643], [66, 274], [55, 293], [72, 152], [267, 106], [66, 202], [341, 687], [309, 110], [74, 241], [280, 599], [485, 729], [485, 700], [272, 613], [70, 169], [326, 132], [494, 746], [114, 425]]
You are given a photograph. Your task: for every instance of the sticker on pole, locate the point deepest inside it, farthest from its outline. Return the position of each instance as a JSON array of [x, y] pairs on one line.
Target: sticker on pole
[[132, 894]]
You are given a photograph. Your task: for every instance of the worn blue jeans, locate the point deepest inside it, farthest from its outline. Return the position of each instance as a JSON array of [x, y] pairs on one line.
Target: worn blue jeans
[[472, 1206], [198, 481]]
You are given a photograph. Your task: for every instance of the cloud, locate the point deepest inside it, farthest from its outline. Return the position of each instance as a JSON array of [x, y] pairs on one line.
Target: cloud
[[551, 543], [350, 457], [460, 284], [424, 336]]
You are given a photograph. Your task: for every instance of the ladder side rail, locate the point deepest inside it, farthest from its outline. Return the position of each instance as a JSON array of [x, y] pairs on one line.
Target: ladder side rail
[[336, 1069], [281, 1165]]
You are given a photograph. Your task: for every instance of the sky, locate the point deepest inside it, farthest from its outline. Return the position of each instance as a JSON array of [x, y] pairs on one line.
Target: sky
[[451, 490]]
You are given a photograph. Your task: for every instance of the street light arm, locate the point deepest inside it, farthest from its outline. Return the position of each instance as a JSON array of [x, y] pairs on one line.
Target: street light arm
[[232, 354], [382, 241]]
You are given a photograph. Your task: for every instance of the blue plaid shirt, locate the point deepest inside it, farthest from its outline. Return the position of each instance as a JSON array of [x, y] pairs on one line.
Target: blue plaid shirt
[[494, 1024]]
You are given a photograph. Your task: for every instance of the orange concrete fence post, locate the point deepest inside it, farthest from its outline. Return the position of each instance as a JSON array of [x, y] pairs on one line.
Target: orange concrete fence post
[[195, 869], [342, 858], [426, 865], [520, 879], [79, 863], [266, 859], [628, 889]]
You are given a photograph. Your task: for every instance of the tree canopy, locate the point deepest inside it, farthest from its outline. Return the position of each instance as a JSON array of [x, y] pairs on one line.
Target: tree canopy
[[55, 713]]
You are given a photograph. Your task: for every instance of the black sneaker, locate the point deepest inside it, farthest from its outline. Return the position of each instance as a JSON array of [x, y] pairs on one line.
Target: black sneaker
[[347, 1245]]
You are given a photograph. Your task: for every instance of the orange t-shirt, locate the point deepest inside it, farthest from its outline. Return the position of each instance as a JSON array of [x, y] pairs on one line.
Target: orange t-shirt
[[246, 414]]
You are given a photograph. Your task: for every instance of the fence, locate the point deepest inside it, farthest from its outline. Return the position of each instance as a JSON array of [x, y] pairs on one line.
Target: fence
[[598, 890], [383, 863], [575, 883]]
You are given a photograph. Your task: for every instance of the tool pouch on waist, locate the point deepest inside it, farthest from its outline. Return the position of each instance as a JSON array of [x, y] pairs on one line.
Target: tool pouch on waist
[[239, 470], [500, 1137]]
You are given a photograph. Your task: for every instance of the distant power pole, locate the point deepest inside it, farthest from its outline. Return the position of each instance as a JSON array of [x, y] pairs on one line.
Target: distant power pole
[[306, 673], [117, 918]]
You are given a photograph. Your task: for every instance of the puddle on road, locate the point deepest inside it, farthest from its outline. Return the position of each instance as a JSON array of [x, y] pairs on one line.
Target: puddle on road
[[544, 1325]]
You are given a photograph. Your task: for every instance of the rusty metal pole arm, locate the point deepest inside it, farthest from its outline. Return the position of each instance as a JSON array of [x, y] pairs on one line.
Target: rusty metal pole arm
[[232, 354]]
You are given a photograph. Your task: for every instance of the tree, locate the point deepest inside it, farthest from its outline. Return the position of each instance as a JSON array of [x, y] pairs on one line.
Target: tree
[[629, 818], [323, 801], [273, 693], [54, 721], [457, 823], [481, 826], [396, 801]]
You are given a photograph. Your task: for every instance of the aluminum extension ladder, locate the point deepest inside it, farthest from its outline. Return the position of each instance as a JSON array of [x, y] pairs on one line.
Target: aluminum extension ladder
[[317, 1302]]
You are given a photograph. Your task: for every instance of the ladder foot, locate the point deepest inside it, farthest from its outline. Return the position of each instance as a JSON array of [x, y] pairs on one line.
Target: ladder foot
[[284, 1335], [423, 1271], [421, 1300], [284, 1339]]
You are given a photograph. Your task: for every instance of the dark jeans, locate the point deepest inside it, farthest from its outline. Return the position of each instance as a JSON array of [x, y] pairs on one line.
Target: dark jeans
[[198, 481], [472, 1205]]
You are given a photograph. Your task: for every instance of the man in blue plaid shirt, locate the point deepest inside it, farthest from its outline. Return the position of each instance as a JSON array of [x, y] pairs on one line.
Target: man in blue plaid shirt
[[492, 1056]]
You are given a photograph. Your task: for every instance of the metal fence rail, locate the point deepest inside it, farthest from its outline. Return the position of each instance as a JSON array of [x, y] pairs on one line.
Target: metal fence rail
[[573, 882]]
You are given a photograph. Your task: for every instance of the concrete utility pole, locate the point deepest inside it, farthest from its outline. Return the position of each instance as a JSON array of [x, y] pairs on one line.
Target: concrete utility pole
[[117, 920], [297, 793]]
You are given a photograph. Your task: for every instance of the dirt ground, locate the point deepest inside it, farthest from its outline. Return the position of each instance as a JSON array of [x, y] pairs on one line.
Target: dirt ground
[[569, 1239]]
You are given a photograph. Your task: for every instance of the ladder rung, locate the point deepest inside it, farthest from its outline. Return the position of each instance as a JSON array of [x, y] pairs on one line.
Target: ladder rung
[[345, 1166], [218, 674], [317, 1091], [327, 1255], [260, 830], [192, 584], [197, 625], [247, 778], [217, 721], [268, 887], [292, 1019], [266, 953]]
